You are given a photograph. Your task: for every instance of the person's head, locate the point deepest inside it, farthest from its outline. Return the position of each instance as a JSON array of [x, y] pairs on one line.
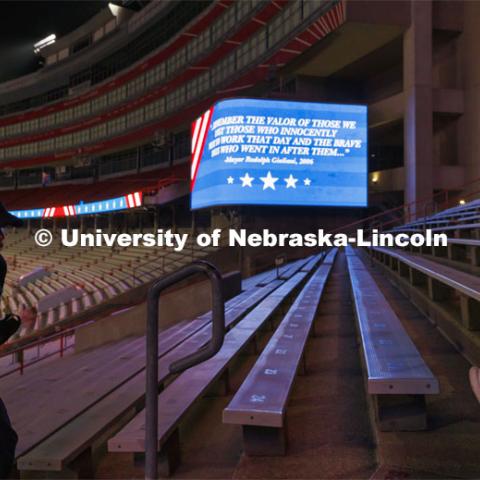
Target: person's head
[[8, 220]]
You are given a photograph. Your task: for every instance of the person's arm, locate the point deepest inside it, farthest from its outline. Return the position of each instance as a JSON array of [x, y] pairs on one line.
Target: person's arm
[[475, 381], [8, 326], [3, 272]]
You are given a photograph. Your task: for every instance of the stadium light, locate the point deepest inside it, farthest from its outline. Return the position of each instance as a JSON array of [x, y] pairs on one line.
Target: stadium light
[[461, 202], [115, 9], [44, 43]]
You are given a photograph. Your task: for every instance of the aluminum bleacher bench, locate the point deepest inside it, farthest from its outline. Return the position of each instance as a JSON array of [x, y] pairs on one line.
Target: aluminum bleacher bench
[[456, 229], [312, 262], [67, 446], [183, 393], [463, 253], [32, 276], [260, 404], [463, 250], [287, 271], [439, 282], [55, 303], [284, 272], [450, 298], [396, 374]]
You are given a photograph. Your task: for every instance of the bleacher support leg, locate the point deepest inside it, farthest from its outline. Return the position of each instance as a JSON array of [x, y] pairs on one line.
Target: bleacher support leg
[[440, 252], [222, 386], [416, 278], [470, 310], [302, 367], [437, 291], [475, 256], [169, 455], [264, 441], [83, 464], [400, 412]]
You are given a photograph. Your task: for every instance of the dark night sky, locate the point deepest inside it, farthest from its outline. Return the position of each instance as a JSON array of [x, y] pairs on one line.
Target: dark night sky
[[22, 23]]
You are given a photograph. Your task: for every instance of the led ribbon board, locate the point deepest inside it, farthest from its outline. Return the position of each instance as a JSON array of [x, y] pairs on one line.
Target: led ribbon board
[[132, 200], [269, 152]]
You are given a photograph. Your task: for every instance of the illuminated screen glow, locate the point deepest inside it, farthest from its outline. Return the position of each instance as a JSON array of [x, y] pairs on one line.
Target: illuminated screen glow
[[270, 152], [132, 200]]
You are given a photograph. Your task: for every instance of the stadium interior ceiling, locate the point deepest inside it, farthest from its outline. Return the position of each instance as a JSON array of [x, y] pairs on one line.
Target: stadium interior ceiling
[[24, 23]]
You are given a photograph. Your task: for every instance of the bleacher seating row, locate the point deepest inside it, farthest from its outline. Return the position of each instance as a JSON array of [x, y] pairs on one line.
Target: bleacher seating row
[[260, 404], [77, 278], [443, 281], [70, 432], [395, 372], [284, 309], [281, 306]]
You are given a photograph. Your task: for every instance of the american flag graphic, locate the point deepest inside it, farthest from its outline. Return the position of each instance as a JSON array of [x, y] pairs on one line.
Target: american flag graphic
[[200, 130]]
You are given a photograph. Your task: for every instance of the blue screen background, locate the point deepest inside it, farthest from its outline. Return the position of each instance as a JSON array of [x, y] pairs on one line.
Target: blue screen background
[[332, 180]]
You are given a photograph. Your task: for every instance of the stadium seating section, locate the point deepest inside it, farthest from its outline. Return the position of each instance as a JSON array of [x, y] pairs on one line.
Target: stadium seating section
[[273, 320], [59, 281]]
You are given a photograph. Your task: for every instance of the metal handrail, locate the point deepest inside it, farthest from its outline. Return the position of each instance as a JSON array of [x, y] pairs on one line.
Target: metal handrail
[[204, 353], [279, 261]]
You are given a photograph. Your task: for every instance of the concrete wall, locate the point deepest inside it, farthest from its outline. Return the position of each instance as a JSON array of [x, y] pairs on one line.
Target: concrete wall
[[186, 301], [469, 124]]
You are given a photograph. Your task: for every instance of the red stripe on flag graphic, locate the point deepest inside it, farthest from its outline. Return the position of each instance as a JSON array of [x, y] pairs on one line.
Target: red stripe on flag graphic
[[134, 199], [138, 199], [200, 130]]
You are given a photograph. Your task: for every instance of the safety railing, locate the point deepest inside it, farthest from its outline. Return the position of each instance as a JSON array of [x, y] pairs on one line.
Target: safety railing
[[18, 354], [422, 208], [204, 353]]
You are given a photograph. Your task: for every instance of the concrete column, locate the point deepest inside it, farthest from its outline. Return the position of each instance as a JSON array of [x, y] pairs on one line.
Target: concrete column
[[418, 119]]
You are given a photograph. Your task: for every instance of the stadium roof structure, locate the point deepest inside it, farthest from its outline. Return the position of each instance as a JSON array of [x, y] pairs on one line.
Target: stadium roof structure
[[21, 31]]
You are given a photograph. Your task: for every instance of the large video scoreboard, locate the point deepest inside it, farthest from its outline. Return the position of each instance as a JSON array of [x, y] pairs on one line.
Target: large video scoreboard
[[270, 152]]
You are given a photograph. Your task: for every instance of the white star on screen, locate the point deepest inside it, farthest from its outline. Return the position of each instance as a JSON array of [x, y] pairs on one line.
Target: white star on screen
[[307, 182], [269, 181], [247, 180], [230, 180], [291, 181]]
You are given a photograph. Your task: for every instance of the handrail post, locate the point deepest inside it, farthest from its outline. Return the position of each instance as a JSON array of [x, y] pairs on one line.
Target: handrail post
[[218, 332], [20, 354]]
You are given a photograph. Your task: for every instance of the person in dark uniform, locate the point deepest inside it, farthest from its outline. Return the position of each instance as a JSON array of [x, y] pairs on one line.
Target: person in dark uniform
[[8, 326]]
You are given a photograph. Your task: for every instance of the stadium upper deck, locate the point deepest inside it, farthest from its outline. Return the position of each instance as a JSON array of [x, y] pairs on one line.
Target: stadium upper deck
[[192, 64], [144, 78]]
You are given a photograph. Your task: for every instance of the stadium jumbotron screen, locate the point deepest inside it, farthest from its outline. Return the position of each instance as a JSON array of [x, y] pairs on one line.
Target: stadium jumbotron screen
[[270, 152]]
